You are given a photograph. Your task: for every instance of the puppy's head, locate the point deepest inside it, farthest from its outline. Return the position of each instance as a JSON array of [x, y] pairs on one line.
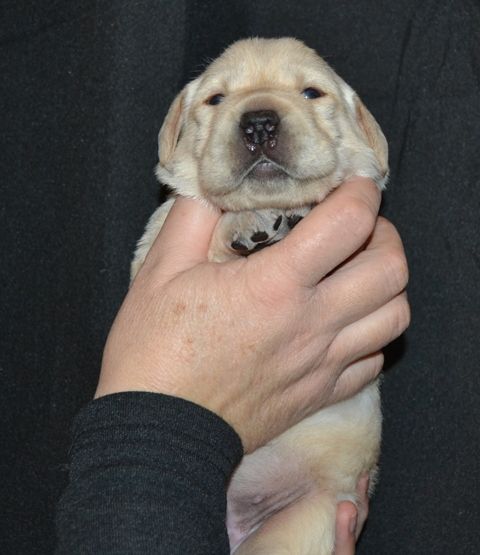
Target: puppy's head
[[268, 124]]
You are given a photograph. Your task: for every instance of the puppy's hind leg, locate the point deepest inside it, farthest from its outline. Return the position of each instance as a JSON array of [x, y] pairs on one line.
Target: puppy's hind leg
[[306, 527]]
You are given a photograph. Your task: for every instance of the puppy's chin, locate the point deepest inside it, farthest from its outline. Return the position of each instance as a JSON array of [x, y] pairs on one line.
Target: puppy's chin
[[265, 171], [281, 191]]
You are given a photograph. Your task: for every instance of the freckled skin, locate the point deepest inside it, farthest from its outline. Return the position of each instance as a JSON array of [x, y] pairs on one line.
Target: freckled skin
[[179, 308]]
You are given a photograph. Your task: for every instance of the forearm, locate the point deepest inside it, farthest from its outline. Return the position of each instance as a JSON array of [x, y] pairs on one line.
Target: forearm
[[148, 475]]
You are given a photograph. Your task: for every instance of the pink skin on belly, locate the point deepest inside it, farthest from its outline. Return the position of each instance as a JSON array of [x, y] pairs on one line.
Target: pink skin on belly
[[262, 487]]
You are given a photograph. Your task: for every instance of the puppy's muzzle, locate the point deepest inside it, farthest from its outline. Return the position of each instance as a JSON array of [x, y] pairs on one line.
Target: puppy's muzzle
[[260, 130]]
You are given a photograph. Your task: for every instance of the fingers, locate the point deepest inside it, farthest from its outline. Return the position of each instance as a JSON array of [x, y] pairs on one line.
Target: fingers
[[373, 332], [370, 279], [362, 503], [356, 376], [185, 236], [351, 519], [345, 528], [332, 232]]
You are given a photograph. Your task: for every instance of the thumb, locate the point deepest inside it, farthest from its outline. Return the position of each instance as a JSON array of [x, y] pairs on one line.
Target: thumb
[[345, 529], [185, 236]]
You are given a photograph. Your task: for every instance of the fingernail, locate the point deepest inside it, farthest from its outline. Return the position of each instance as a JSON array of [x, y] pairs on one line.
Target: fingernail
[[352, 525]]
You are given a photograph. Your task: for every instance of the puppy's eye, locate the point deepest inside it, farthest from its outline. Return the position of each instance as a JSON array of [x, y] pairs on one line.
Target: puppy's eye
[[310, 93], [215, 99]]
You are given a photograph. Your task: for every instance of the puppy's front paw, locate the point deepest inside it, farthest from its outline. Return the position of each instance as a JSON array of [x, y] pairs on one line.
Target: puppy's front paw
[[256, 230], [241, 233], [294, 215]]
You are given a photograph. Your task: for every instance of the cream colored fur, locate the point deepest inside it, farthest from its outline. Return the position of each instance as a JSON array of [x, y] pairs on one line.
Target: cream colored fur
[[282, 498]]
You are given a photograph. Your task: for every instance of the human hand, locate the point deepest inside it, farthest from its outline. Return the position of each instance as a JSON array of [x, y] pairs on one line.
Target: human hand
[[351, 519], [266, 340]]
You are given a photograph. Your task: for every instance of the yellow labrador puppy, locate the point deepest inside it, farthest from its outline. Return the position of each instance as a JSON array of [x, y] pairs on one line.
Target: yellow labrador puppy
[[267, 131]]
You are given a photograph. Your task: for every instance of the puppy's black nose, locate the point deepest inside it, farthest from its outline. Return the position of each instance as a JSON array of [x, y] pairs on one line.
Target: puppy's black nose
[[259, 127]]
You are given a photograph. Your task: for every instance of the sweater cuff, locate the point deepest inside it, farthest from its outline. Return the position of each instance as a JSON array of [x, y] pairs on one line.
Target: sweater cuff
[[154, 422], [148, 474]]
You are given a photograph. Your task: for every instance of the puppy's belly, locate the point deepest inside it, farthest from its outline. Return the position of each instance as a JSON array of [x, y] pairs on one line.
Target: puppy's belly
[[323, 455]]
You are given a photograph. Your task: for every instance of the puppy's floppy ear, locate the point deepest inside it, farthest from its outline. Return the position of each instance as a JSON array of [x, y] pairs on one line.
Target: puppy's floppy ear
[[369, 128], [171, 127]]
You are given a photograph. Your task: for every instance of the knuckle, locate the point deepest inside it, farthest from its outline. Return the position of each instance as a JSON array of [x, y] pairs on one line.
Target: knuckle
[[376, 366], [404, 315], [359, 216], [399, 319], [387, 224], [396, 269]]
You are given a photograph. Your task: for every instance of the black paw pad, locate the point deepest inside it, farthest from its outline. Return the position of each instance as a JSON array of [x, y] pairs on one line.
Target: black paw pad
[[277, 223], [238, 246], [261, 246], [293, 220], [259, 237]]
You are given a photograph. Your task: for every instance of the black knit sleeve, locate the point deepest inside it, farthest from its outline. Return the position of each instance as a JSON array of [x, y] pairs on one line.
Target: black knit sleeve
[[148, 474]]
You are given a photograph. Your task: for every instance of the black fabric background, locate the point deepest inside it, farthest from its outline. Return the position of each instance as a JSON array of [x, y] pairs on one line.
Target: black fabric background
[[83, 90]]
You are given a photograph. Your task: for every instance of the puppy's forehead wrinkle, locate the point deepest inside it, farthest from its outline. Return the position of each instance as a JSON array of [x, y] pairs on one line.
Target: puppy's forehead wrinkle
[[260, 52], [282, 76], [254, 62]]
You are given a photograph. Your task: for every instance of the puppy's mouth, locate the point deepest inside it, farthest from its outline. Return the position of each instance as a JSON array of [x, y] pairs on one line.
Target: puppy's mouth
[[265, 169]]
